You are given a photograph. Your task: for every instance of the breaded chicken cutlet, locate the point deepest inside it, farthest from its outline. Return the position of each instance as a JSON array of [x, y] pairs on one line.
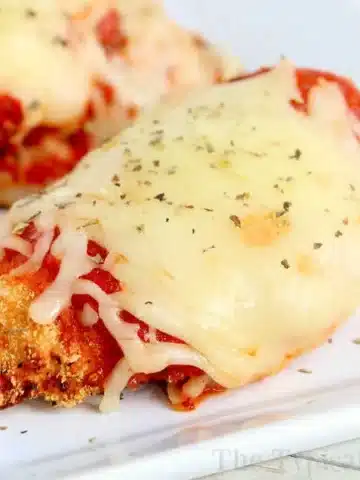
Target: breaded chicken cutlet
[[200, 249]]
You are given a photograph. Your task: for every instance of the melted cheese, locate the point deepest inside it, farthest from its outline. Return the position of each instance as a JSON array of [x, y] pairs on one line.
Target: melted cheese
[[194, 387], [157, 49], [12, 241], [238, 218], [117, 381], [142, 357], [51, 56], [35, 261], [38, 67], [71, 246], [89, 316]]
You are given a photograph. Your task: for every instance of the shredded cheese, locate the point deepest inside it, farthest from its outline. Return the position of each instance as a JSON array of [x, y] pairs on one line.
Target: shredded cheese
[[12, 241], [35, 261], [194, 387], [89, 317], [117, 381], [71, 246]]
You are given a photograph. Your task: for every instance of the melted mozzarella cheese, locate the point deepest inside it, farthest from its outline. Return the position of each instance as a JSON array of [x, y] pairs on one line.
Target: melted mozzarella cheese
[[35, 261], [238, 218], [142, 357], [52, 58], [12, 241], [194, 387], [72, 247], [89, 317], [41, 63], [117, 381]]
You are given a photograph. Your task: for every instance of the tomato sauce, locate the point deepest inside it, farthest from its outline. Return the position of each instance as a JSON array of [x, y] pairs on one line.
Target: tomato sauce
[[51, 152], [70, 321], [46, 166], [11, 117], [107, 92], [110, 34], [307, 78]]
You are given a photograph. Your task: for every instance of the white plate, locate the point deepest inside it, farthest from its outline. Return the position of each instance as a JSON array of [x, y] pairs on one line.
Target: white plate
[[281, 415]]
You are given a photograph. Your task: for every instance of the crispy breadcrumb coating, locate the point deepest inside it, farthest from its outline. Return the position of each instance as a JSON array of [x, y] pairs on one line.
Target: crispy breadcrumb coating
[[62, 362]]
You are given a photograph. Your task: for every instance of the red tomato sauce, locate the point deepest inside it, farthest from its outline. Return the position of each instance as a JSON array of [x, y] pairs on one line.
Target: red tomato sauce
[[46, 166], [109, 32], [11, 117], [307, 78], [177, 374], [51, 151]]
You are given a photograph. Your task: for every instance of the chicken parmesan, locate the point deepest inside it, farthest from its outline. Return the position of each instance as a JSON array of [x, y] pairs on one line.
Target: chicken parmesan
[[200, 249], [74, 73]]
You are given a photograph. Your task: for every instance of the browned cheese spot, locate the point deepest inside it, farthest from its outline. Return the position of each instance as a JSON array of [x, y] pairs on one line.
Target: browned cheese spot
[[262, 230]]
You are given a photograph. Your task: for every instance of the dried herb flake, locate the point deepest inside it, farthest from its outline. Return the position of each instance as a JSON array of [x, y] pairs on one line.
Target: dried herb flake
[[62, 206], [285, 263], [209, 248], [30, 13], [34, 216], [286, 206], [160, 197], [304, 370], [297, 154], [243, 196], [90, 223], [157, 143], [58, 40], [235, 220], [172, 170], [34, 105], [115, 179], [209, 147]]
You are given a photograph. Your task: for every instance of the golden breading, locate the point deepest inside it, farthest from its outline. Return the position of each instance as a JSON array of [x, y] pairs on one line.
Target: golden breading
[[63, 362]]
